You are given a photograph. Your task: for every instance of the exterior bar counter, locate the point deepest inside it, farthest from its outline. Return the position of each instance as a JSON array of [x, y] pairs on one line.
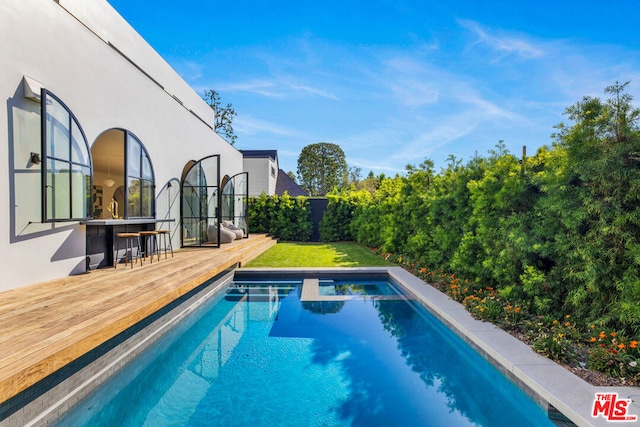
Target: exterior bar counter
[[101, 238]]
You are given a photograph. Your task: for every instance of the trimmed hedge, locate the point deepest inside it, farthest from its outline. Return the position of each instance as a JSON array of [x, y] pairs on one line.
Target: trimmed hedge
[[284, 217]]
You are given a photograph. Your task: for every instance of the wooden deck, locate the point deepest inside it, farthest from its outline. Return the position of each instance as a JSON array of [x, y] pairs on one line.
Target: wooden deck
[[45, 326]]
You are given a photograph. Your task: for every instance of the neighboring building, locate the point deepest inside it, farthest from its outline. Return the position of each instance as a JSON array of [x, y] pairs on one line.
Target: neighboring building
[[99, 133], [288, 185], [262, 166], [266, 177]]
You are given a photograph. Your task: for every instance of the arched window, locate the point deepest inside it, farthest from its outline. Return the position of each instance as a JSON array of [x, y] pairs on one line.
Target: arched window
[[199, 203], [66, 169], [129, 188], [235, 201]]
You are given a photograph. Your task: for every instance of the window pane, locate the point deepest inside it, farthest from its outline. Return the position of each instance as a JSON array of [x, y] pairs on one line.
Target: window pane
[[147, 198], [80, 192], [57, 130], [58, 196], [146, 167], [79, 151], [191, 232], [134, 198], [133, 157], [190, 201], [212, 202], [210, 170]]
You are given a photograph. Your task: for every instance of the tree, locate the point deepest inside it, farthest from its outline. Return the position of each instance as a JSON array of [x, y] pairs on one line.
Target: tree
[[321, 167], [224, 116], [355, 175], [598, 199]]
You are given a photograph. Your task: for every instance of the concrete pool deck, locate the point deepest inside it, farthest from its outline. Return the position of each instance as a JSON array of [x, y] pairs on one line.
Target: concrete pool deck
[[545, 380]]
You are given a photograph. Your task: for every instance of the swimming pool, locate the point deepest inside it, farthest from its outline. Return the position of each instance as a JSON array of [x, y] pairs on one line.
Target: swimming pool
[[280, 352]]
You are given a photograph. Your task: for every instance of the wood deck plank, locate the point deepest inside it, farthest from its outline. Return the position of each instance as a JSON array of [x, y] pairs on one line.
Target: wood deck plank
[[44, 327]]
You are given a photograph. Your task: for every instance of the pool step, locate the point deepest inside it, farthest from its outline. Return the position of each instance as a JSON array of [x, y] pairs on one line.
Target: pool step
[[258, 293]]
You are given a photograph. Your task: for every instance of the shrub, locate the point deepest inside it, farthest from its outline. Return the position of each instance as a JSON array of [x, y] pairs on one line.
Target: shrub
[[284, 217], [335, 225], [614, 354]]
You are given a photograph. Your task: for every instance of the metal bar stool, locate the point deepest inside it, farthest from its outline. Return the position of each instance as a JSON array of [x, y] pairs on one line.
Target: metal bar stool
[[128, 239], [165, 234], [150, 244]]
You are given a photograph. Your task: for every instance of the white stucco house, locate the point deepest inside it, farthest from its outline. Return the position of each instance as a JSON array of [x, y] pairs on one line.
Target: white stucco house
[[262, 165], [100, 135], [266, 175]]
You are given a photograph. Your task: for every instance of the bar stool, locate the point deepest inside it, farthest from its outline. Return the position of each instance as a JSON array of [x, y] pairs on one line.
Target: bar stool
[[150, 244], [129, 239], [164, 234]]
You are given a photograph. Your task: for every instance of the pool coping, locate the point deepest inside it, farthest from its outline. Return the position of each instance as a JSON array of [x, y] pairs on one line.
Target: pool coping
[[546, 380]]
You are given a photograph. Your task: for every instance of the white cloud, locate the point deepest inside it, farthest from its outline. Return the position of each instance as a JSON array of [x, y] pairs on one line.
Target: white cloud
[[264, 87], [248, 125], [504, 44], [189, 70], [313, 91]]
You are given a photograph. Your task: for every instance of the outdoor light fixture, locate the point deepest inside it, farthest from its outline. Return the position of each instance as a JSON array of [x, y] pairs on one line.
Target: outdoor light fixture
[[109, 182], [34, 158]]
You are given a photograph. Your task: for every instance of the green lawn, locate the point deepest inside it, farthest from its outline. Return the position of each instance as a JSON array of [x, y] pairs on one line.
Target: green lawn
[[343, 254]]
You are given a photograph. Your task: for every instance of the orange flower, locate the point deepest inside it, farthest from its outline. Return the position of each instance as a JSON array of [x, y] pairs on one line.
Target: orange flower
[[518, 309], [613, 333], [593, 339], [424, 270], [621, 346], [633, 344], [602, 335]]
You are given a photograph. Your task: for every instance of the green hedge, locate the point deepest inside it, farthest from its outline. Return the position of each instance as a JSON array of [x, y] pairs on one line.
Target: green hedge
[[559, 230], [284, 217], [335, 225]]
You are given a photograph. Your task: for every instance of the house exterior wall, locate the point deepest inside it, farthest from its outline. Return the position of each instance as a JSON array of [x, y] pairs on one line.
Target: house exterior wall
[[68, 46], [263, 174]]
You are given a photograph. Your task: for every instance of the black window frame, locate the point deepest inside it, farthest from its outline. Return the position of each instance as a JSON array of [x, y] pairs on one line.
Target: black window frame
[[228, 199], [128, 137], [200, 213], [47, 157]]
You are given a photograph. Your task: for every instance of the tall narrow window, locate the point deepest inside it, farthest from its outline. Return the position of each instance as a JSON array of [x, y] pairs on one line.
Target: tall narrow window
[[66, 169], [140, 181], [235, 201]]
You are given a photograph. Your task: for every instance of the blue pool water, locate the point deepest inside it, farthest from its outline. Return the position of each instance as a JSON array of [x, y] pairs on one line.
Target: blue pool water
[[357, 287], [258, 356]]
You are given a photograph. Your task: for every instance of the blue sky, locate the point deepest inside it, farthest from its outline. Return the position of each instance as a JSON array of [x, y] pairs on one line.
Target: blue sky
[[394, 82]]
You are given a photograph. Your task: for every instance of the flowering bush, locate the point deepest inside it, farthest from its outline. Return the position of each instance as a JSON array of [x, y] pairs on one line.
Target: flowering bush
[[556, 338], [553, 338], [485, 304], [614, 354]]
